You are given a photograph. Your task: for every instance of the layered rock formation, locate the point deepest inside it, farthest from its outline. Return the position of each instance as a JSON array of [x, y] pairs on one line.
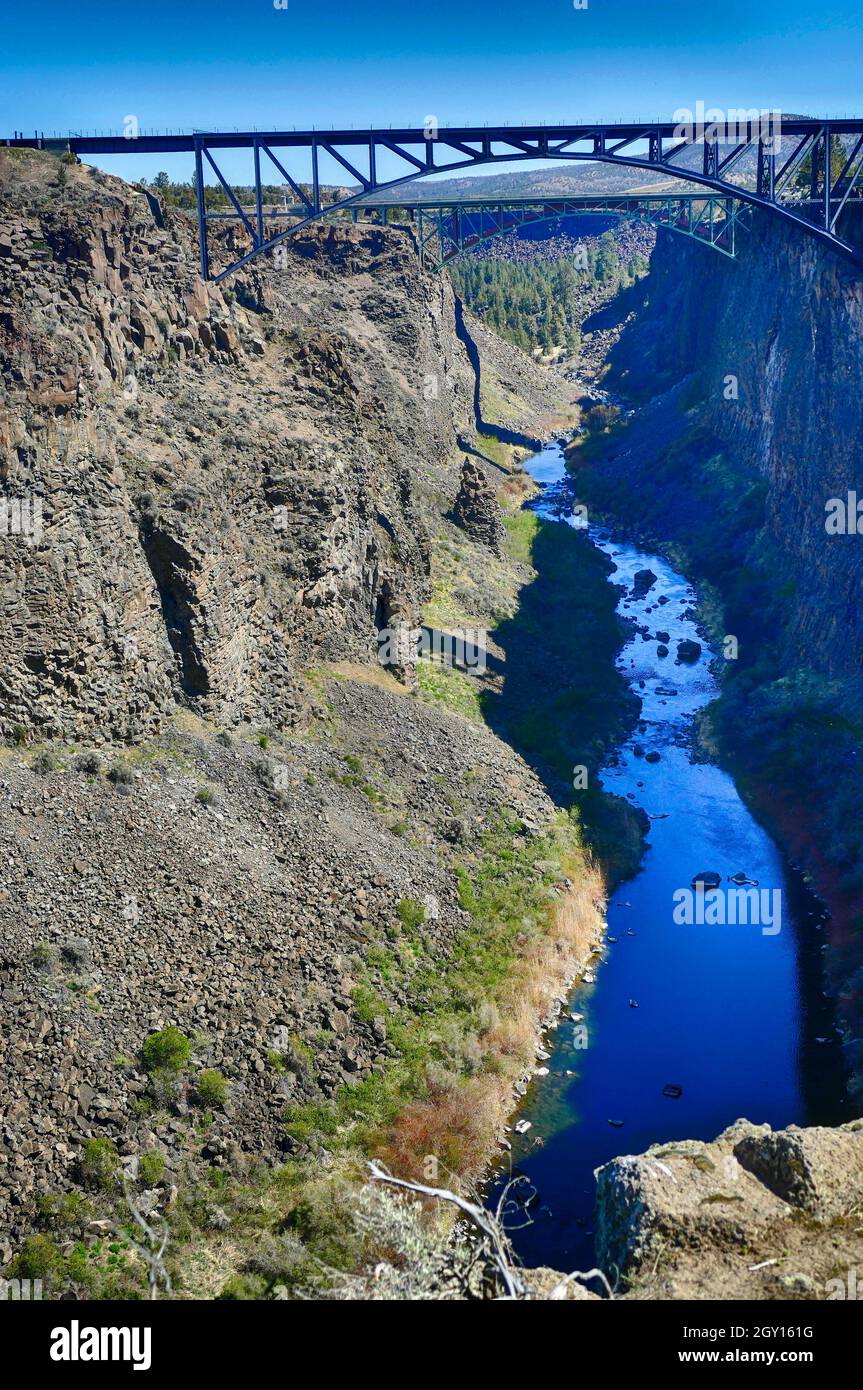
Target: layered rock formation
[[226, 476], [771, 345]]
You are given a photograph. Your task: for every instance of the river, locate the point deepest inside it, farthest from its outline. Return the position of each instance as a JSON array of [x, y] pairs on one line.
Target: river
[[733, 1017]]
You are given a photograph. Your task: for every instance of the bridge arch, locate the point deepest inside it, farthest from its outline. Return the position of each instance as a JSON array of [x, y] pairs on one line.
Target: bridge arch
[[458, 228]]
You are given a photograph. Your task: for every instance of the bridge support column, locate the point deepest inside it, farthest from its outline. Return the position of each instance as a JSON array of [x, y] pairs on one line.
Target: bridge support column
[[766, 170], [202, 214], [258, 207]]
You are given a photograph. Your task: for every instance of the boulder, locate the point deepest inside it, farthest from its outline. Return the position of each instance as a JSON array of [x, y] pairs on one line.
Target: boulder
[[643, 580], [688, 651]]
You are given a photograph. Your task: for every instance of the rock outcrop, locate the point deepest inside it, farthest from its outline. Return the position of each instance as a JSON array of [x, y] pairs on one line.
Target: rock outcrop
[[477, 509], [755, 1214]]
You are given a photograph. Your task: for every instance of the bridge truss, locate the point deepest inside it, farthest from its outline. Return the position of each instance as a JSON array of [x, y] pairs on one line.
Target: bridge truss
[[445, 231], [804, 171]]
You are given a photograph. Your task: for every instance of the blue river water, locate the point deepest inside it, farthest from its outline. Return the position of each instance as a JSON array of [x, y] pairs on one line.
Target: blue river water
[[727, 1015]]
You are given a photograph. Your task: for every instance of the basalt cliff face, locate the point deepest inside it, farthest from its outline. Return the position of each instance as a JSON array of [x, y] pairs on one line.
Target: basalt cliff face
[[746, 376], [220, 484], [771, 345]]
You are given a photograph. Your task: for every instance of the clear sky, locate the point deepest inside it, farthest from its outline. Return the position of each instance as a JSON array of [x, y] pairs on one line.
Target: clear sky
[[212, 63]]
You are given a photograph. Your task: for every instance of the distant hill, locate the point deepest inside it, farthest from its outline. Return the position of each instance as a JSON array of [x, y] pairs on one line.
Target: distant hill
[[556, 180]]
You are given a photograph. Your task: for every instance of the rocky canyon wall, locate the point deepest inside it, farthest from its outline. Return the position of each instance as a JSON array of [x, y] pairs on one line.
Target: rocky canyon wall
[[772, 347], [206, 487]]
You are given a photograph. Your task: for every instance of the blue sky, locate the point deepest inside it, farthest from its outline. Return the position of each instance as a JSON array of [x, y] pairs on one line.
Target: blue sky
[[189, 64]]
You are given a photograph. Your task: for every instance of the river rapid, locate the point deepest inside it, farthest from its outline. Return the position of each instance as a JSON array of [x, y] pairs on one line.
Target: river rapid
[[685, 1027]]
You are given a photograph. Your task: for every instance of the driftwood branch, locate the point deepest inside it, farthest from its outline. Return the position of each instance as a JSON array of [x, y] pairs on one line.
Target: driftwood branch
[[153, 1251], [491, 1229], [477, 1215]]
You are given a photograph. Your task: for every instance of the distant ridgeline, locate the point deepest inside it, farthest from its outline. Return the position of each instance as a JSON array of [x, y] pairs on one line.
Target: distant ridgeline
[[537, 287], [277, 195]]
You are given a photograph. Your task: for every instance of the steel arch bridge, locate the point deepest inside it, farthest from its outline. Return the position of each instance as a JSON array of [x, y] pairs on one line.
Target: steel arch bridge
[[801, 170]]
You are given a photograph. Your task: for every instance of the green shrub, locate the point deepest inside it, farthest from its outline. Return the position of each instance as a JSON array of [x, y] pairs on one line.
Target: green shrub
[[299, 1058], [411, 914], [212, 1089], [151, 1167], [241, 1288], [99, 1164], [38, 1258], [206, 796], [60, 1212], [168, 1050]]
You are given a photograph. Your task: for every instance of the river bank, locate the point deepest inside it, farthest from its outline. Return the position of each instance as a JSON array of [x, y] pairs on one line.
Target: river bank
[[654, 1018]]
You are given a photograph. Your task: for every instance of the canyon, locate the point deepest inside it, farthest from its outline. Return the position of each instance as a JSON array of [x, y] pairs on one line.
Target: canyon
[[223, 816]]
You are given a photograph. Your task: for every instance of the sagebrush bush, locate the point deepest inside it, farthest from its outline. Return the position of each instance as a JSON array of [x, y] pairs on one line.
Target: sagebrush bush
[[99, 1164], [212, 1088], [167, 1088], [88, 762], [167, 1050], [43, 956], [120, 773]]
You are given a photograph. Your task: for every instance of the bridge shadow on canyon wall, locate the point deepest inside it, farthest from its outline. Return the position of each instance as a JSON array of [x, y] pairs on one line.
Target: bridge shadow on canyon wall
[[561, 703], [499, 432]]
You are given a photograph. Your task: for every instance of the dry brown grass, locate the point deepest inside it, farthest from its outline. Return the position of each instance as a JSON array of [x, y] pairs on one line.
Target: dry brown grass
[[372, 674], [460, 1126], [451, 1126]]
